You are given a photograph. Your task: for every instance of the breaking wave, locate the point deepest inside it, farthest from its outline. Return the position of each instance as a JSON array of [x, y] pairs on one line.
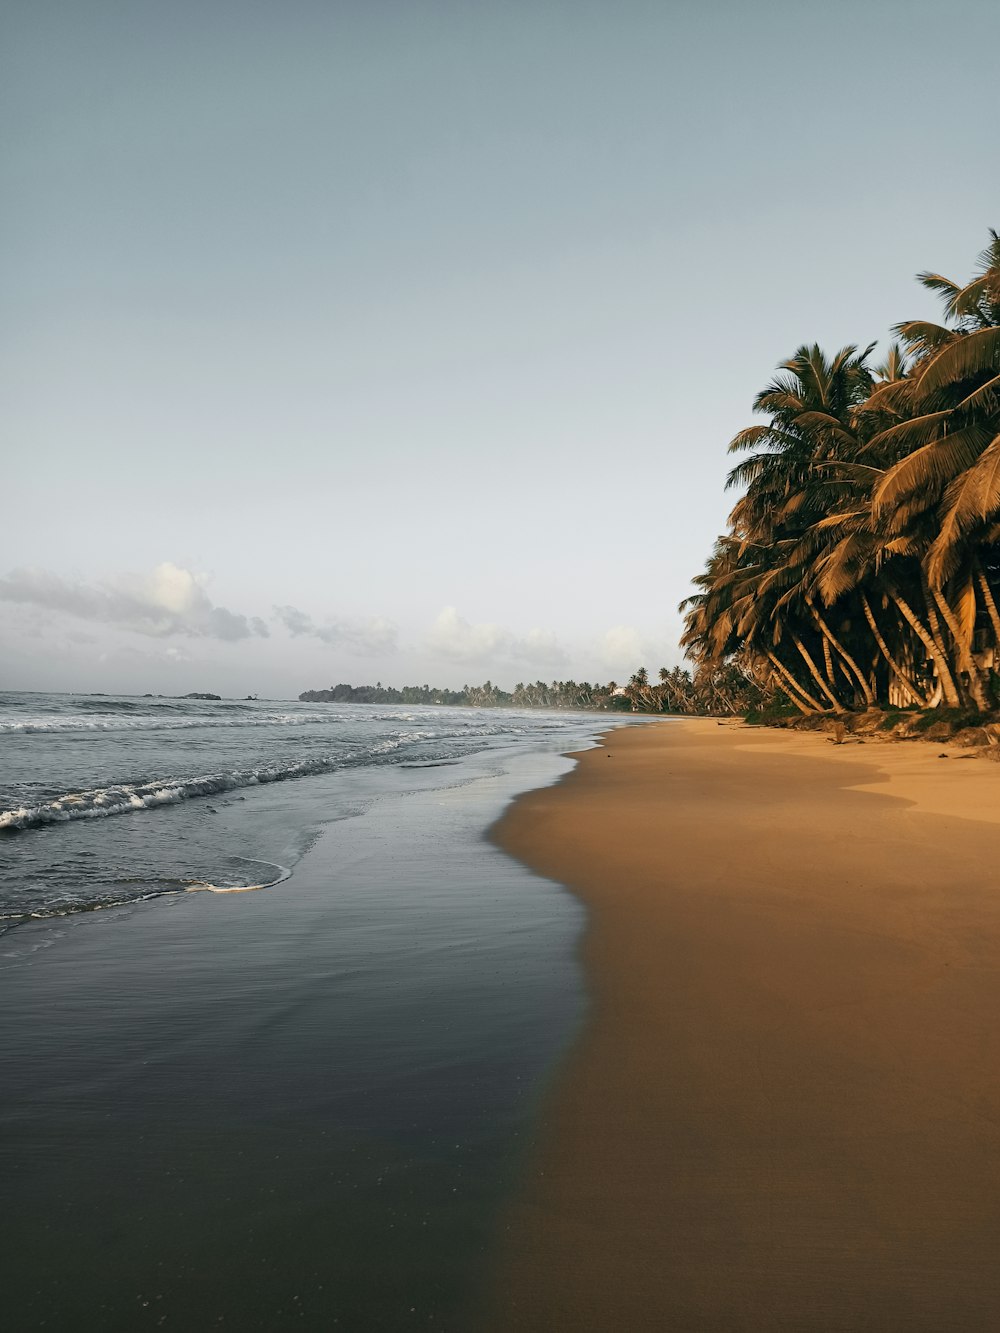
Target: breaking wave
[[143, 722], [127, 797]]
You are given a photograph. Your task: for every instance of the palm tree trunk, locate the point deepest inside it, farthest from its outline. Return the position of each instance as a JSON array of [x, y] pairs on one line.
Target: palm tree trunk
[[963, 649], [828, 664], [838, 707], [828, 632], [933, 623], [990, 604], [794, 688], [900, 674], [945, 677]]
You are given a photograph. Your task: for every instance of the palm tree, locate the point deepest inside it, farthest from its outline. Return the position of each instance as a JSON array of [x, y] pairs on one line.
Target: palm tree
[[943, 494], [863, 559], [790, 485]]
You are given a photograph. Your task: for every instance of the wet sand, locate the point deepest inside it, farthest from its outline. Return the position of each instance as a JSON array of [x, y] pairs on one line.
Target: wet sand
[[784, 1112]]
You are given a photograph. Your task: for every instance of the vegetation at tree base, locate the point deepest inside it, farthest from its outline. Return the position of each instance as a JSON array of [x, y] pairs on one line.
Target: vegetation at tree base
[[730, 688], [861, 568]]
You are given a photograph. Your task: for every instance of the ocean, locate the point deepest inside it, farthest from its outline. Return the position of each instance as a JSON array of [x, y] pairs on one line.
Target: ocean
[[277, 1015]]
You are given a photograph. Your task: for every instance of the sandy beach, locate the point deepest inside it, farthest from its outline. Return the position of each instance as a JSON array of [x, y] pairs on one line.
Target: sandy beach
[[784, 1112]]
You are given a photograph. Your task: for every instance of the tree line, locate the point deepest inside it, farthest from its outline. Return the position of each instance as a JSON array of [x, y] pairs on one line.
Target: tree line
[[861, 567], [540, 694], [730, 688]]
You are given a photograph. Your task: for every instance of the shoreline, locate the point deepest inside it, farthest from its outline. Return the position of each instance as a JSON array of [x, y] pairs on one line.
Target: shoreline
[[784, 1110]]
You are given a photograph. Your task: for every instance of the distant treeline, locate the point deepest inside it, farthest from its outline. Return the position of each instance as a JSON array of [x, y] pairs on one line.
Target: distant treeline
[[558, 694], [727, 689]]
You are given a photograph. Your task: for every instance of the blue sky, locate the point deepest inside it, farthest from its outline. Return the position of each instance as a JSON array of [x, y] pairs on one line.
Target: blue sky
[[404, 341]]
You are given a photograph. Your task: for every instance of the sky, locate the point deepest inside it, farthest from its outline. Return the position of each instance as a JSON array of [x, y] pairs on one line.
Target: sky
[[402, 340]]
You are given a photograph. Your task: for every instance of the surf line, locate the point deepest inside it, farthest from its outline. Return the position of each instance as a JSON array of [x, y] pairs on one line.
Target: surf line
[[202, 886]]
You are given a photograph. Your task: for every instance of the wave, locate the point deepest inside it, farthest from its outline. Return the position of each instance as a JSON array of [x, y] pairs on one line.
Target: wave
[[127, 797], [125, 898], [100, 716], [77, 722]]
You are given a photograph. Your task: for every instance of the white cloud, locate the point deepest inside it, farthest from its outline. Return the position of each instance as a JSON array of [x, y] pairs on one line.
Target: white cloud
[[623, 649], [622, 646], [366, 638], [453, 637], [170, 600]]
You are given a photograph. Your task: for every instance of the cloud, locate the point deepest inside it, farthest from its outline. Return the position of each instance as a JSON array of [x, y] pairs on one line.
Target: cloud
[[621, 646], [170, 600], [452, 636], [366, 638], [622, 649]]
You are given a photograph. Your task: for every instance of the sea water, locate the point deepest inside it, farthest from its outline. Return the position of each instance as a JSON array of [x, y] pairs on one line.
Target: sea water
[[126, 798], [277, 1016]]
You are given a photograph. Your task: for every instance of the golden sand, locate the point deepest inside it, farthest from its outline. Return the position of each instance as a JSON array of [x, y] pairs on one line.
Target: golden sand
[[784, 1112]]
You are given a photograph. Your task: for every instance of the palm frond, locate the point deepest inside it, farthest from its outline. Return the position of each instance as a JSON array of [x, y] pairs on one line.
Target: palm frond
[[858, 472], [902, 546], [824, 423], [921, 336], [753, 436], [965, 303], [910, 434], [929, 469], [934, 282], [892, 396], [985, 398], [971, 500], [969, 355]]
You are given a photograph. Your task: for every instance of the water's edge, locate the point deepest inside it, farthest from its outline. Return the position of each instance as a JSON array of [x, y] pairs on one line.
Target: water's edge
[[381, 1026]]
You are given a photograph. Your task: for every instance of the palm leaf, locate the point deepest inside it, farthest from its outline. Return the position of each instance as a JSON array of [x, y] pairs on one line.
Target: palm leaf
[[859, 472], [825, 423], [966, 302], [929, 468], [778, 400], [972, 499], [935, 283], [753, 436], [910, 434], [922, 336], [967, 356], [985, 396], [858, 516], [842, 569], [902, 546]]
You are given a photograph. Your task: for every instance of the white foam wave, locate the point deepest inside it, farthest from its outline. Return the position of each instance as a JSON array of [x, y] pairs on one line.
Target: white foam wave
[[12, 919], [126, 798], [113, 722], [204, 886]]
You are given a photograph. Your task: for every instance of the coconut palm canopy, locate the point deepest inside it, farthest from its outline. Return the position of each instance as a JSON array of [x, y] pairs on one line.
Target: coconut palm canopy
[[862, 561]]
